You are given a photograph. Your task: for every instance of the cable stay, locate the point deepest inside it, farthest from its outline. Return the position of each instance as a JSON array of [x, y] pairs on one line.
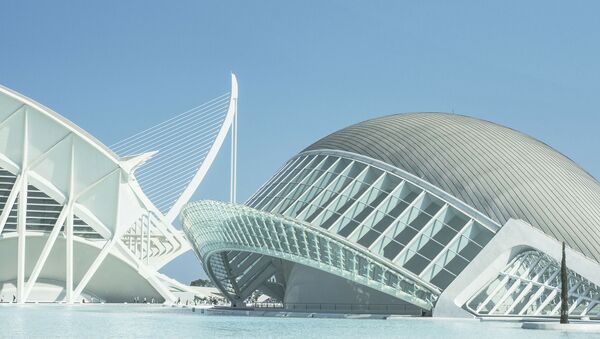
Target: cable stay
[[185, 147]]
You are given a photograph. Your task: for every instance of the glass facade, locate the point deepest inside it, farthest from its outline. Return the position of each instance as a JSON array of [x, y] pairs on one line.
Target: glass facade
[[42, 210], [238, 243], [530, 286], [341, 215], [378, 210]]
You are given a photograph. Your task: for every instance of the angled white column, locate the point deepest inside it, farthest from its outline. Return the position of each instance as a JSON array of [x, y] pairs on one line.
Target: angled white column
[[93, 268], [115, 237], [10, 202], [39, 265], [147, 218], [141, 239]]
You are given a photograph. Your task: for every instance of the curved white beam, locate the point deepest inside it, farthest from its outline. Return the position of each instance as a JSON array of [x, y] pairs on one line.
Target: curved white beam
[[210, 157], [105, 150]]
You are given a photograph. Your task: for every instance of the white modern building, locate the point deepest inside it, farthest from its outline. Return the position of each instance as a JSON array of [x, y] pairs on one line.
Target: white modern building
[[80, 220], [422, 213]]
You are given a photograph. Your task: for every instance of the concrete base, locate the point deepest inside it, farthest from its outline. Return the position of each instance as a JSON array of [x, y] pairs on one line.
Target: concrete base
[[572, 327]]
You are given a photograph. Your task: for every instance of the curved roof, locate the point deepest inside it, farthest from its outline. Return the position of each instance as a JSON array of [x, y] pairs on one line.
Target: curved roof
[[9, 94], [499, 171]]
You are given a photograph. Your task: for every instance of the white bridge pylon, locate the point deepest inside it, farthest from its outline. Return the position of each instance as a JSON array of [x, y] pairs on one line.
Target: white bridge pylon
[[229, 123], [177, 153]]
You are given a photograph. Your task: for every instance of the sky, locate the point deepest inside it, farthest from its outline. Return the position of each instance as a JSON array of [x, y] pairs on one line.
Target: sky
[[306, 69]]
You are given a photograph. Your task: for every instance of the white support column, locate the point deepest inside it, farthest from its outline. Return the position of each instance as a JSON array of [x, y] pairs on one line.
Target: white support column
[[69, 229], [22, 216], [21, 230], [69, 256], [94, 267], [45, 252], [140, 243], [233, 179], [147, 216], [115, 236]]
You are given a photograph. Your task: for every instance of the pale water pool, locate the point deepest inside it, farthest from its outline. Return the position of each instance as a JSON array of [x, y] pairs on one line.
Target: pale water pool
[[131, 321]]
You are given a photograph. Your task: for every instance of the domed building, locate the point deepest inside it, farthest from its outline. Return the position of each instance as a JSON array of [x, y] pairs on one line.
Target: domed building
[[420, 213]]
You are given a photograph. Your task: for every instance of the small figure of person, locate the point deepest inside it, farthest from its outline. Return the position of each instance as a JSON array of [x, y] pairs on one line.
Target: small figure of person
[[152, 300], [178, 300], [145, 302], [14, 298]]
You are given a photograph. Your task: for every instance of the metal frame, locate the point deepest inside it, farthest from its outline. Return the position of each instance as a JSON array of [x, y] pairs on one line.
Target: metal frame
[[215, 228], [534, 280]]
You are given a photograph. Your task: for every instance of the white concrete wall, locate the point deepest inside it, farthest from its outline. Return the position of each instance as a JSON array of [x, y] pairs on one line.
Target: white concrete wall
[[311, 289], [513, 238]]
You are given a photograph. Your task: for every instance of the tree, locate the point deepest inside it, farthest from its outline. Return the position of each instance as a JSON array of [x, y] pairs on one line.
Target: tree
[[202, 283], [564, 289]]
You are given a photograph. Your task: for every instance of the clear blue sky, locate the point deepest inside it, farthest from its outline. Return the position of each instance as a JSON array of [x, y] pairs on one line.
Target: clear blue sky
[[308, 68]]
